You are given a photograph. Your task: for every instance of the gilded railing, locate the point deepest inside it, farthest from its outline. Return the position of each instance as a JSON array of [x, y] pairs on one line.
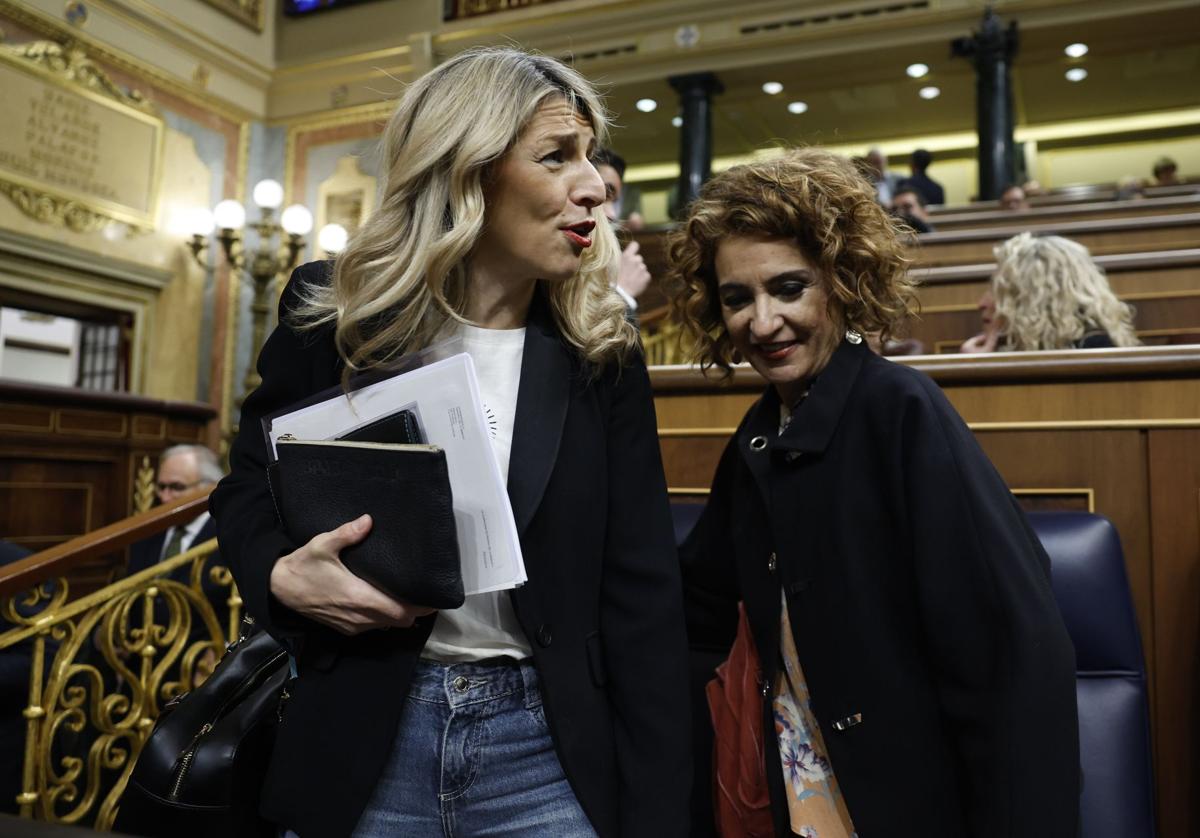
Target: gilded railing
[[101, 667]]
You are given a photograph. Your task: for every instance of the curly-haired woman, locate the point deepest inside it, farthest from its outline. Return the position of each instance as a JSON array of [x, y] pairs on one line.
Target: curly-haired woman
[[1050, 295], [558, 709], [916, 677]]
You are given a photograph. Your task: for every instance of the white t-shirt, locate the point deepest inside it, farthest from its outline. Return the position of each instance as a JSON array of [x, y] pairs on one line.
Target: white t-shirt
[[486, 625]]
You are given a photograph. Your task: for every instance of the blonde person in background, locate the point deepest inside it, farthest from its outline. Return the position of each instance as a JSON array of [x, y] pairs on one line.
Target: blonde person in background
[[559, 709], [1050, 294]]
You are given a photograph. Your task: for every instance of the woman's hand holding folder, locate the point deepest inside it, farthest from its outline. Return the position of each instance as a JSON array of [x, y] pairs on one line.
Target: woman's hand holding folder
[[313, 581]]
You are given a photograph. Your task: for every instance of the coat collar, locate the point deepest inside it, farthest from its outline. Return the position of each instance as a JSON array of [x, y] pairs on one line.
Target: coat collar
[[542, 397], [816, 419]]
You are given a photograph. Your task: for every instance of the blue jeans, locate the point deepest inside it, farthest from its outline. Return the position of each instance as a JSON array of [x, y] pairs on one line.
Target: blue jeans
[[473, 756]]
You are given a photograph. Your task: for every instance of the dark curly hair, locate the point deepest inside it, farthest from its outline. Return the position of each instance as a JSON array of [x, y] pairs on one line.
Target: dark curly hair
[[820, 201]]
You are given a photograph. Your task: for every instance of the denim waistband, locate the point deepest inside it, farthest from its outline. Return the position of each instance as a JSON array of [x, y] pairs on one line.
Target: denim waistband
[[462, 684]]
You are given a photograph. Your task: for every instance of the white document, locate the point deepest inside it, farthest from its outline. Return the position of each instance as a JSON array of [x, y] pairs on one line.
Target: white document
[[444, 395]]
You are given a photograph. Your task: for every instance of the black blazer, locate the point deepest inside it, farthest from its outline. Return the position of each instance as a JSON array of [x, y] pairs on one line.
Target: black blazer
[[941, 675], [602, 607]]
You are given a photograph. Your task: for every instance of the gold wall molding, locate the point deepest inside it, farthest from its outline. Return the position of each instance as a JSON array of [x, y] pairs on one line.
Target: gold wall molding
[[103, 53], [81, 149], [51, 209], [69, 61], [246, 12], [143, 486]]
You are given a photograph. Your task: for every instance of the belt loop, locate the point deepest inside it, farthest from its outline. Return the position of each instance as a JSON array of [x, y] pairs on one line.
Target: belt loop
[[533, 693]]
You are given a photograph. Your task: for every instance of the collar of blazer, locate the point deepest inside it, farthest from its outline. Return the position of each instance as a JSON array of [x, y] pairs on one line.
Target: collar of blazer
[[816, 419], [542, 396]]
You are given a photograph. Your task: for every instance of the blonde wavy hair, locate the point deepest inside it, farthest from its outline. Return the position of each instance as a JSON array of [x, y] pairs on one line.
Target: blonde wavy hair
[[403, 277], [818, 200], [1050, 294]]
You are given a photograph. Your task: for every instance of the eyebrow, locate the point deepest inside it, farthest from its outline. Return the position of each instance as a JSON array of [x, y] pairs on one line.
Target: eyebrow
[[570, 136], [800, 274]]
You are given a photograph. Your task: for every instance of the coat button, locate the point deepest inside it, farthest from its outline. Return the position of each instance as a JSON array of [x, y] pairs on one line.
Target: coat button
[[771, 562], [543, 635]]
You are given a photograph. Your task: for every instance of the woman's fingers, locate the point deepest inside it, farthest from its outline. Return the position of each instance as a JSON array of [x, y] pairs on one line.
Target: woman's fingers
[[314, 582], [347, 535]]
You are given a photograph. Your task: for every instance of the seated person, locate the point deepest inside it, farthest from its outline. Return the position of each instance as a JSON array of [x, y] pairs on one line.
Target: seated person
[[632, 276], [909, 204], [1165, 172], [182, 468], [987, 339], [1013, 199], [1051, 295]]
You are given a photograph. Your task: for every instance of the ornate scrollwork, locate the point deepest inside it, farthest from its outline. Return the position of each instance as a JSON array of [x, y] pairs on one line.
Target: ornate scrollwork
[[249, 12], [35, 605], [143, 486], [69, 61], [110, 661], [50, 209]]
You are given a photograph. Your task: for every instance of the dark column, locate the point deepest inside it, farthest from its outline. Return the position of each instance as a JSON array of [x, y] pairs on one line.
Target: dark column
[[695, 135], [992, 50]]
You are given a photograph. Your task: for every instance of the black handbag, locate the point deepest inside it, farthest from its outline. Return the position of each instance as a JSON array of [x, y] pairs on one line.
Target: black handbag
[[200, 772]]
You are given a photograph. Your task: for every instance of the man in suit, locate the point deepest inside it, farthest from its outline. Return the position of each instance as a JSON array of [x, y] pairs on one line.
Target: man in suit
[[182, 468]]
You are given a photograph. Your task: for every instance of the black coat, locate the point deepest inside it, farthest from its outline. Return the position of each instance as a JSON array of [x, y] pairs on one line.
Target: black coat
[[602, 607], [147, 552], [919, 598]]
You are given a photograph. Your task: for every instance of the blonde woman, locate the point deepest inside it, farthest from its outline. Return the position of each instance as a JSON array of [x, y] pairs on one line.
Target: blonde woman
[[558, 709], [1049, 294], [916, 678]]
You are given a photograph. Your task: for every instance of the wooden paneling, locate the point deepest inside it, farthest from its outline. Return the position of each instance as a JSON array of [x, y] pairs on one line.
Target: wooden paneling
[[1164, 288], [69, 459], [1174, 457], [1159, 232], [1060, 213], [1117, 430]]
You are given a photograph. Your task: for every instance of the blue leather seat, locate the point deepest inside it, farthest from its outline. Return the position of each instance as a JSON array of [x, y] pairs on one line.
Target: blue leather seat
[[1092, 590]]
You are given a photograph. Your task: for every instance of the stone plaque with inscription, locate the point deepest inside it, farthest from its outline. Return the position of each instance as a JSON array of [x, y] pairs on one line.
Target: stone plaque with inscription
[[72, 140]]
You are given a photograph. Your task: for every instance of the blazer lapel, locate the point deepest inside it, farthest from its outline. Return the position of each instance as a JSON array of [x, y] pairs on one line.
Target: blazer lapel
[[542, 398]]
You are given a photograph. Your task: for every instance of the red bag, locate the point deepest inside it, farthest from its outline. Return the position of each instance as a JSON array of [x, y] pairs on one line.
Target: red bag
[[743, 805]]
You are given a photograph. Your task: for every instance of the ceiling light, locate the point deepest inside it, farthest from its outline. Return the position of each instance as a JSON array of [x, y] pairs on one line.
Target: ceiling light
[[797, 107], [1076, 74], [677, 121], [916, 71], [772, 87], [929, 92], [646, 105], [1076, 50]]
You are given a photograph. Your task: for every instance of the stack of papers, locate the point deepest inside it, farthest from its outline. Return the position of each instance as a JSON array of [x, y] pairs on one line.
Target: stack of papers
[[444, 395]]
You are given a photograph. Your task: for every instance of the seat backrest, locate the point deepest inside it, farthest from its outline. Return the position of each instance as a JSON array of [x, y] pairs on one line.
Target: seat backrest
[[1092, 591]]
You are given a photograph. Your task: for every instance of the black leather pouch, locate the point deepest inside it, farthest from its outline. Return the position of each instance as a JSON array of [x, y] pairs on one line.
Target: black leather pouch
[[412, 551]]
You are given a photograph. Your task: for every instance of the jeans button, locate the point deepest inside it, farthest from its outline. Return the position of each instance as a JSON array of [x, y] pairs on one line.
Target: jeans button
[[461, 684]]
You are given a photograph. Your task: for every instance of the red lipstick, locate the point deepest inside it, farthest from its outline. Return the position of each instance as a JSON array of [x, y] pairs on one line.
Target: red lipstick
[[580, 234]]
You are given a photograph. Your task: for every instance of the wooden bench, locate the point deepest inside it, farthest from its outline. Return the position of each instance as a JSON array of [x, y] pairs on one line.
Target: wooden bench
[[1113, 235], [1061, 213], [1069, 196], [1164, 286]]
